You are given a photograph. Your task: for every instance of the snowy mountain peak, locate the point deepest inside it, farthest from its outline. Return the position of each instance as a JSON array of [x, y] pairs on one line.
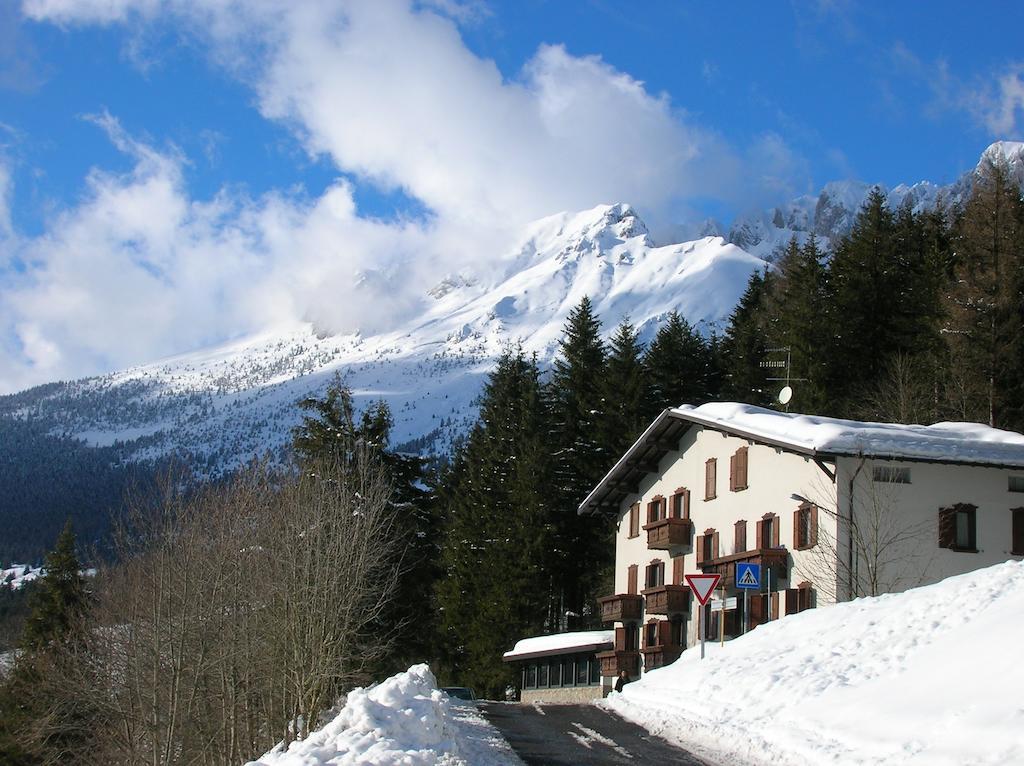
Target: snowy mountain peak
[[1011, 151]]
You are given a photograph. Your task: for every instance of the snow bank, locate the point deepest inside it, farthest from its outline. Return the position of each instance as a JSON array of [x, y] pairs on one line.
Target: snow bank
[[403, 721], [931, 676]]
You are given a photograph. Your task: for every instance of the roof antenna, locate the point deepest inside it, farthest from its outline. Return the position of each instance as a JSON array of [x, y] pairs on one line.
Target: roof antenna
[[786, 394]]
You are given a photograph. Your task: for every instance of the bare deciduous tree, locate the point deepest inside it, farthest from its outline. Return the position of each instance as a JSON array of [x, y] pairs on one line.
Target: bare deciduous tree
[[868, 546], [235, 616]]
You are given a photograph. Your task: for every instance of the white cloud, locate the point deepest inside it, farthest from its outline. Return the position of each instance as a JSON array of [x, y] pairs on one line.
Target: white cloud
[[994, 101], [390, 93]]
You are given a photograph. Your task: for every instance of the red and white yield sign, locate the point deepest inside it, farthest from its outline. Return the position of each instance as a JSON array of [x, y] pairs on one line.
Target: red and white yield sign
[[702, 585]]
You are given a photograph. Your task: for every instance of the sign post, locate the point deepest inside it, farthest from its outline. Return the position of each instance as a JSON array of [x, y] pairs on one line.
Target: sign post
[[702, 586], [748, 578]]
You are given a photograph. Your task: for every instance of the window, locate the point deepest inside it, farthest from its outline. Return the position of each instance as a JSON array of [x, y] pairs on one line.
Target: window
[[556, 673], [805, 526], [891, 474], [681, 504], [542, 676], [651, 634], [567, 672], [738, 470], [958, 528], [1015, 483], [710, 468], [1017, 543], [799, 598], [655, 574], [634, 520], [768, 531], [707, 546], [676, 637], [740, 539], [656, 510], [582, 676], [531, 677]]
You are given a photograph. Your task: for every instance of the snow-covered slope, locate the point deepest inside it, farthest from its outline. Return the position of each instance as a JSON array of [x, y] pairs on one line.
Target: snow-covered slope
[[227, 404], [930, 676], [831, 213]]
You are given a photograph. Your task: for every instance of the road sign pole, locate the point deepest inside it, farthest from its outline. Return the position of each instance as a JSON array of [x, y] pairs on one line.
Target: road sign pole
[[700, 627], [746, 609]]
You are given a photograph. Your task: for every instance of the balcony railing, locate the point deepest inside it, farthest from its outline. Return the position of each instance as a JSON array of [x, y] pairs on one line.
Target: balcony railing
[[774, 559], [668, 533], [658, 656], [667, 599], [612, 663], [621, 607]]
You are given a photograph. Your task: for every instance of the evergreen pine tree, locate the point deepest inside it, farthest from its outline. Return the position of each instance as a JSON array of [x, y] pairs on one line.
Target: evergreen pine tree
[[678, 367], [579, 460], [863, 290], [795, 314], [743, 348], [623, 392], [497, 546], [59, 598], [983, 305]]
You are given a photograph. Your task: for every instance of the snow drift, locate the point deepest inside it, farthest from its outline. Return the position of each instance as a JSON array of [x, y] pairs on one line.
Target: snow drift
[[403, 721], [931, 676]]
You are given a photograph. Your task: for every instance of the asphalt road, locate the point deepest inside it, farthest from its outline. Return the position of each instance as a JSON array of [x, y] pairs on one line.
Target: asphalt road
[[579, 735]]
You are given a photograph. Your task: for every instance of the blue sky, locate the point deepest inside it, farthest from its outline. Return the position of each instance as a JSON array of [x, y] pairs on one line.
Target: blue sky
[[153, 155]]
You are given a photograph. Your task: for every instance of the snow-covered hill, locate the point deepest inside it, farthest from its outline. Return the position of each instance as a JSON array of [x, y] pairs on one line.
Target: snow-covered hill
[[831, 213], [930, 676], [227, 404]]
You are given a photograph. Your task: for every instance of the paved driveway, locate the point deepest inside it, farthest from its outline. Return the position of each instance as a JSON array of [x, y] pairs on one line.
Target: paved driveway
[[579, 735]]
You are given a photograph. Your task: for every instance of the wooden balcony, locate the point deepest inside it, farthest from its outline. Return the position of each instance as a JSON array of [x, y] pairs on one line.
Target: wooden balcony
[[667, 599], [659, 656], [774, 559], [622, 607], [668, 533], [612, 663]]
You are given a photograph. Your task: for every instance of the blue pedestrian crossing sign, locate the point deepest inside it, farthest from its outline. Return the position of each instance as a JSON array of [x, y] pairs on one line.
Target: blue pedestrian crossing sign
[[748, 576]]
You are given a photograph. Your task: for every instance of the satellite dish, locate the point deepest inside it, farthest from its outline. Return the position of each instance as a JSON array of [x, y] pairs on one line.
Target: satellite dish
[[785, 395]]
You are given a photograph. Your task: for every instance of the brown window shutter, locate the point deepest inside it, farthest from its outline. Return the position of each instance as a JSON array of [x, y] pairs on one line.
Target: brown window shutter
[[620, 639], [686, 503], [650, 512], [797, 542], [631, 580], [814, 526], [775, 531], [677, 571], [665, 633], [714, 546], [1017, 537], [699, 548], [732, 473], [741, 536], [634, 520], [709, 479], [741, 464], [947, 527], [792, 601]]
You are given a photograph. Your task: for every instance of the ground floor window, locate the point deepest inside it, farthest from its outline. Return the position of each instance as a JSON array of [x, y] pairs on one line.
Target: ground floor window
[[562, 671], [958, 528]]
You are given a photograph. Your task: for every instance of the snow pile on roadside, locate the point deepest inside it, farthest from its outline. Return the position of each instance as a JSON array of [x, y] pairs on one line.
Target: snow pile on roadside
[[403, 721], [931, 676]]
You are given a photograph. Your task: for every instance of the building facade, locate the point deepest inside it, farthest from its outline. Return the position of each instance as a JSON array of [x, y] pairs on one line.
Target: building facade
[[829, 510]]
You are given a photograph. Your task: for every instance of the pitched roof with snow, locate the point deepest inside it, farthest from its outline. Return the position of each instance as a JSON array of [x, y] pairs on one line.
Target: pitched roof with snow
[[561, 643], [812, 435]]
